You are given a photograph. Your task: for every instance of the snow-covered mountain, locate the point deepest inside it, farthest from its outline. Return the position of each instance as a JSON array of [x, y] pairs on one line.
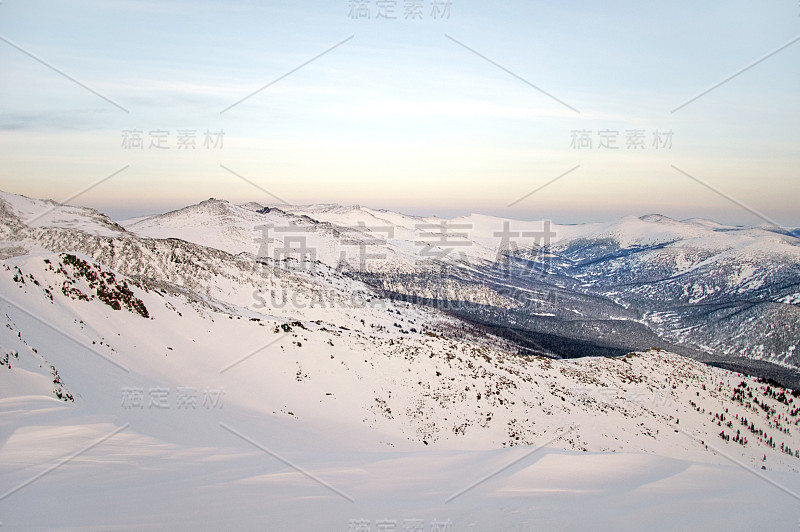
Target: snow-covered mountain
[[714, 292], [168, 373]]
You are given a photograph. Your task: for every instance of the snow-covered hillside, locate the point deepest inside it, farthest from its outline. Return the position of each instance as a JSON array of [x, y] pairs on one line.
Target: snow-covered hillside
[[651, 270], [153, 383]]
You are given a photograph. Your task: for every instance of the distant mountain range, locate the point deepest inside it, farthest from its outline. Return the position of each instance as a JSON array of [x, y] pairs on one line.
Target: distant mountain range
[[721, 294]]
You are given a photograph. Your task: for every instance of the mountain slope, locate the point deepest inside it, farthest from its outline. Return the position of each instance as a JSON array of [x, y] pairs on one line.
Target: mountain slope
[[217, 388], [188, 409]]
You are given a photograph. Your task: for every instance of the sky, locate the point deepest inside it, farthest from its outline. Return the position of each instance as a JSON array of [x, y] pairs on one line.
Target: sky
[[570, 111]]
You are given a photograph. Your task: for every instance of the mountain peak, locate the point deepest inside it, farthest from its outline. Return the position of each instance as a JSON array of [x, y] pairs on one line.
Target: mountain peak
[[48, 213], [214, 201], [656, 218]]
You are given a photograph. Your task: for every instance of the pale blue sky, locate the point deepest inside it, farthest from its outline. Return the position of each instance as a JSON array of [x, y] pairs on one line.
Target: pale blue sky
[[402, 117]]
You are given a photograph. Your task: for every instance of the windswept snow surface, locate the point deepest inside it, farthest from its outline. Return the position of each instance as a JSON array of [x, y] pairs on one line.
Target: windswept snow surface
[[140, 389], [192, 433]]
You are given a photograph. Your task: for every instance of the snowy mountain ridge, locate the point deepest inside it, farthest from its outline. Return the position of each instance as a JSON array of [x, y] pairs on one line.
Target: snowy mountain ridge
[[650, 269], [195, 367]]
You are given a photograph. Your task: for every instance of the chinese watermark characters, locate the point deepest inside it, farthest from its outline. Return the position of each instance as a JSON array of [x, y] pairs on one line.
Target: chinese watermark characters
[[403, 525], [397, 9], [609, 139], [161, 139], [165, 398]]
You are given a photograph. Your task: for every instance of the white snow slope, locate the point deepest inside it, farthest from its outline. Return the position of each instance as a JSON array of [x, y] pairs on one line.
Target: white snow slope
[[146, 404]]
